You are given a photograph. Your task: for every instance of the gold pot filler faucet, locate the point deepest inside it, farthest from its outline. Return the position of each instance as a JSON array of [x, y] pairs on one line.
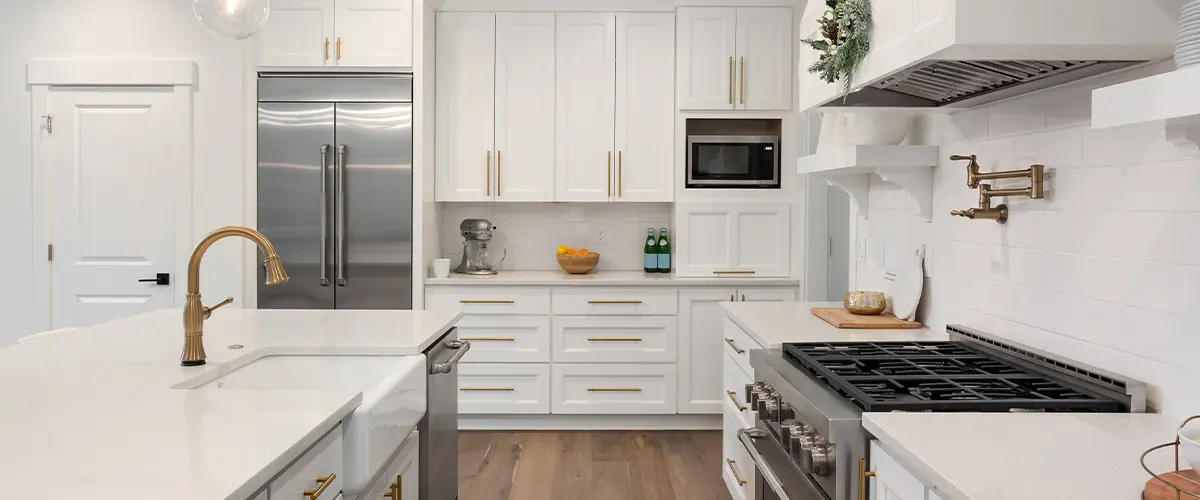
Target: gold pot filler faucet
[[1035, 174], [194, 312]]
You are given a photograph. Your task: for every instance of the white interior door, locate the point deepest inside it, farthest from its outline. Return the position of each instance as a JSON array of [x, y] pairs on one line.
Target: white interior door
[[375, 33], [116, 158], [524, 106], [299, 33], [706, 51], [584, 140], [645, 109], [701, 322], [764, 58], [466, 103]]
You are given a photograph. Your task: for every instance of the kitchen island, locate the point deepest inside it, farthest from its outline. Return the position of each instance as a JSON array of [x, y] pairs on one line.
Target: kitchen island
[[107, 412]]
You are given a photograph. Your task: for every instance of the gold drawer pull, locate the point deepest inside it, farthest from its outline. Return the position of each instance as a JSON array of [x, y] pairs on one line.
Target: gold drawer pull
[[736, 404], [614, 339], [737, 477], [618, 389], [735, 347], [487, 389], [489, 339], [324, 484], [393, 490], [487, 302], [863, 475], [614, 302], [733, 272]]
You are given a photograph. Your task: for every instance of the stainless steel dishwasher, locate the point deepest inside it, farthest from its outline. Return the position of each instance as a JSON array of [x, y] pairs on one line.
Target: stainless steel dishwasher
[[439, 428]]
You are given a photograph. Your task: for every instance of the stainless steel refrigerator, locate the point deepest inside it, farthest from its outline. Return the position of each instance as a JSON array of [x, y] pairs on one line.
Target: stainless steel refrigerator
[[335, 189]]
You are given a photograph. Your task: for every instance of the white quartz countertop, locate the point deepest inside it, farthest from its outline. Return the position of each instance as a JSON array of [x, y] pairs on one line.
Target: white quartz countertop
[[91, 413], [773, 323], [1028, 456], [601, 278]]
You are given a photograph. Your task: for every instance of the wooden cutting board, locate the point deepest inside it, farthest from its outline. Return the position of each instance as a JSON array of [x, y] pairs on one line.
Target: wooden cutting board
[[1156, 490], [841, 318]]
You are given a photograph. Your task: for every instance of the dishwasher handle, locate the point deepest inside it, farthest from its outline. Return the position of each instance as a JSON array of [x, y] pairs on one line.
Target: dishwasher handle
[[747, 437], [460, 348]]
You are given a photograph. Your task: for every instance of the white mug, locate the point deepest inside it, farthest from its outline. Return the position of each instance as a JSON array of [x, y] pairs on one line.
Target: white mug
[[441, 268]]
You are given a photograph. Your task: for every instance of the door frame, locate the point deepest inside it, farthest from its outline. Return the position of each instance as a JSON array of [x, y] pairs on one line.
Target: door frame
[[43, 74]]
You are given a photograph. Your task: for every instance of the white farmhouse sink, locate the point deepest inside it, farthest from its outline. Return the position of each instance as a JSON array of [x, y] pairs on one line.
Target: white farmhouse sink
[[394, 398]]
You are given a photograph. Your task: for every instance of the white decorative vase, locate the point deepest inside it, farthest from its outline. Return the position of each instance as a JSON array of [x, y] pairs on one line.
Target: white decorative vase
[[877, 128], [833, 132], [1187, 36]]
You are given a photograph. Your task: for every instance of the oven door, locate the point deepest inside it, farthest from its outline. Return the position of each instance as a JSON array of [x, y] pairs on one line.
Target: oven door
[[733, 162], [776, 475]]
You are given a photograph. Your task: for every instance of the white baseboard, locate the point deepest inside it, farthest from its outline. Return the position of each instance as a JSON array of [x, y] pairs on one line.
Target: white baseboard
[[588, 422]]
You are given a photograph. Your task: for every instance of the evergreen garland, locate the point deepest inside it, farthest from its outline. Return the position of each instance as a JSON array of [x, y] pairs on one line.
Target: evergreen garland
[[843, 41]]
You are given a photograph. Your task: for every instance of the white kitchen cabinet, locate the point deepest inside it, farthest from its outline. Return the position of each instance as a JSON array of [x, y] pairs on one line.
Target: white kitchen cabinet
[[357, 33], [893, 482], [524, 107], [498, 338], [614, 339], [598, 389], [645, 115], [737, 468], [745, 239], [466, 106], [489, 388], [776, 294], [735, 58], [586, 93], [319, 468], [401, 476]]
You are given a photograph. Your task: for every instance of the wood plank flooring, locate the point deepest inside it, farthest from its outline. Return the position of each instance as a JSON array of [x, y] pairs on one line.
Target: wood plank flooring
[[592, 465]]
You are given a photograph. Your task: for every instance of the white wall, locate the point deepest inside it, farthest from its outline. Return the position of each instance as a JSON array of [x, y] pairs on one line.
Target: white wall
[[533, 231], [126, 28], [1105, 271]]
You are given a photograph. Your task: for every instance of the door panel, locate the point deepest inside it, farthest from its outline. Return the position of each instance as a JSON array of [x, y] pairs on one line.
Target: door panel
[[645, 119], [524, 107], [586, 93], [466, 102], [296, 34], [290, 137], [378, 206], [375, 32], [706, 51], [764, 53], [705, 239], [700, 349], [115, 160], [763, 240]]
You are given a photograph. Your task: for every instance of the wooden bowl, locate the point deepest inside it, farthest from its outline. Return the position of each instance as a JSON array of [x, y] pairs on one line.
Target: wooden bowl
[[578, 264]]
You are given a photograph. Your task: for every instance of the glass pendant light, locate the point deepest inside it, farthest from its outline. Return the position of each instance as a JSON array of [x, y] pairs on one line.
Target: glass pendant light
[[233, 18]]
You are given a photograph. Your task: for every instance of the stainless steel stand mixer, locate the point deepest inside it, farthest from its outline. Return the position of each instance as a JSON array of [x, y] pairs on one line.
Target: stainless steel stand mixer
[[478, 248]]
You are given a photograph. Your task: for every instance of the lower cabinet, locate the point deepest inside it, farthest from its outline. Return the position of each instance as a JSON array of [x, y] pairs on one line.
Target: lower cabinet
[[495, 388], [400, 479], [737, 469], [613, 389], [893, 482], [319, 469]]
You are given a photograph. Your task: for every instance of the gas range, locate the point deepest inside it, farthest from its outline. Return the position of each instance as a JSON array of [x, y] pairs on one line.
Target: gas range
[[808, 441]]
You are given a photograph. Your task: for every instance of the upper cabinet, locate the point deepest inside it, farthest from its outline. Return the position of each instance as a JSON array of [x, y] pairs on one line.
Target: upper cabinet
[[357, 33], [733, 239], [645, 109], [735, 58]]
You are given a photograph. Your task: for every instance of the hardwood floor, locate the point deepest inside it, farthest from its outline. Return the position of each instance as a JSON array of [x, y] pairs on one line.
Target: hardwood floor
[[593, 465]]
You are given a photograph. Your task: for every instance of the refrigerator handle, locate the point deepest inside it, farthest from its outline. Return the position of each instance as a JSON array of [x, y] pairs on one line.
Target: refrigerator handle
[[323, 259], [339, 247]]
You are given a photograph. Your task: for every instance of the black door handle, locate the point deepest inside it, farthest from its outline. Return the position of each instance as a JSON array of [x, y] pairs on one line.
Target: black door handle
[[160, 279]]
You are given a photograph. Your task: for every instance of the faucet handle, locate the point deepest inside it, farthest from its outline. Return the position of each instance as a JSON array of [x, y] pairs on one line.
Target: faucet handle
[[209, 310]]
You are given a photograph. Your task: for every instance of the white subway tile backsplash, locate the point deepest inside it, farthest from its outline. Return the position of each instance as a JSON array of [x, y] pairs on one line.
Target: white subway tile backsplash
[[1018, 116]]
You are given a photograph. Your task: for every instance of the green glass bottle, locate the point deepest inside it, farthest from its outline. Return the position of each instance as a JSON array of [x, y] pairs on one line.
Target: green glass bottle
[[650, 252], [664, 252]]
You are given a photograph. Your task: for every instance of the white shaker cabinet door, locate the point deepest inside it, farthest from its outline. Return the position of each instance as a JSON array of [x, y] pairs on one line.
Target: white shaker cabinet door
[[700, 349], [374, 33], [706, 45], [466, 101], [584, 138], [645, 112], [704, 243], [764, 58], [298, 33], [762, 239], [524, 107]]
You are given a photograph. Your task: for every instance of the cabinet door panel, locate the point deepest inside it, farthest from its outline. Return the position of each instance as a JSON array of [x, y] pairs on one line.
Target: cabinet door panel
[[584, 139], [763, 239], [524, 107], [296, 34], [466, 101], [764, 58], [704, 239], [706, 50], [700, 383], [375, 32], [645, 118]]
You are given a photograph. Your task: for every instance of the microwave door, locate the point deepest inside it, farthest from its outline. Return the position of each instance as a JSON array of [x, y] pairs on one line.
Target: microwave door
[[732, 161]]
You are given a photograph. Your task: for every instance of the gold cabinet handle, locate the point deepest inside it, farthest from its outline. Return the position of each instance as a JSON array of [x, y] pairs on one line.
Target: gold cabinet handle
[[324, 484], [487, 169], [620, 174], [733, 272], [741, 80], [863, 474], [736, 404], [731, 299], [339, 48], [734, 346], [614, 302], [487, 302], [609, 181], [394, 490], [743, 297], [616, 389], [326, 48], [737, 477], [730, 79], [486, 389], [614, 339], [489, 339]]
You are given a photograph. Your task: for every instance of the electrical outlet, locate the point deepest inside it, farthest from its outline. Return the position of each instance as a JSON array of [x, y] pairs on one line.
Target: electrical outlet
[[600, 236]]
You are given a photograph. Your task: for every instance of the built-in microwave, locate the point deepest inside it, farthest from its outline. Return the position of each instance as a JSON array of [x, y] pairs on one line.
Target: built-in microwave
[[733, 161]]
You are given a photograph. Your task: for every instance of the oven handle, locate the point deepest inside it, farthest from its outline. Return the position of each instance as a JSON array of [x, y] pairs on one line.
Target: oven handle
[[746, 436]]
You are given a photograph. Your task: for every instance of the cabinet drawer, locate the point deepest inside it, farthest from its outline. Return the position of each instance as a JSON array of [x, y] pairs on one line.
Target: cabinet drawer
[[735, 381], [490, 299], [394, 475], [614, 389], [614, 339], [506, 339], [737, 345], [615, 301], [737, 469], [319, 469], [503, 388]]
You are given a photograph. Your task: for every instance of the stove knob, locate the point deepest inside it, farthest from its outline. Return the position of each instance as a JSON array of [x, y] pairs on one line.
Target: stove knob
[[822, 458], [801, 440], [786, 412], [769, 409]]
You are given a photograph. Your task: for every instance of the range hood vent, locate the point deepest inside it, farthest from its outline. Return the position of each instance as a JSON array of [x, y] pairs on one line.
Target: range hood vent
[[965, 84]]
